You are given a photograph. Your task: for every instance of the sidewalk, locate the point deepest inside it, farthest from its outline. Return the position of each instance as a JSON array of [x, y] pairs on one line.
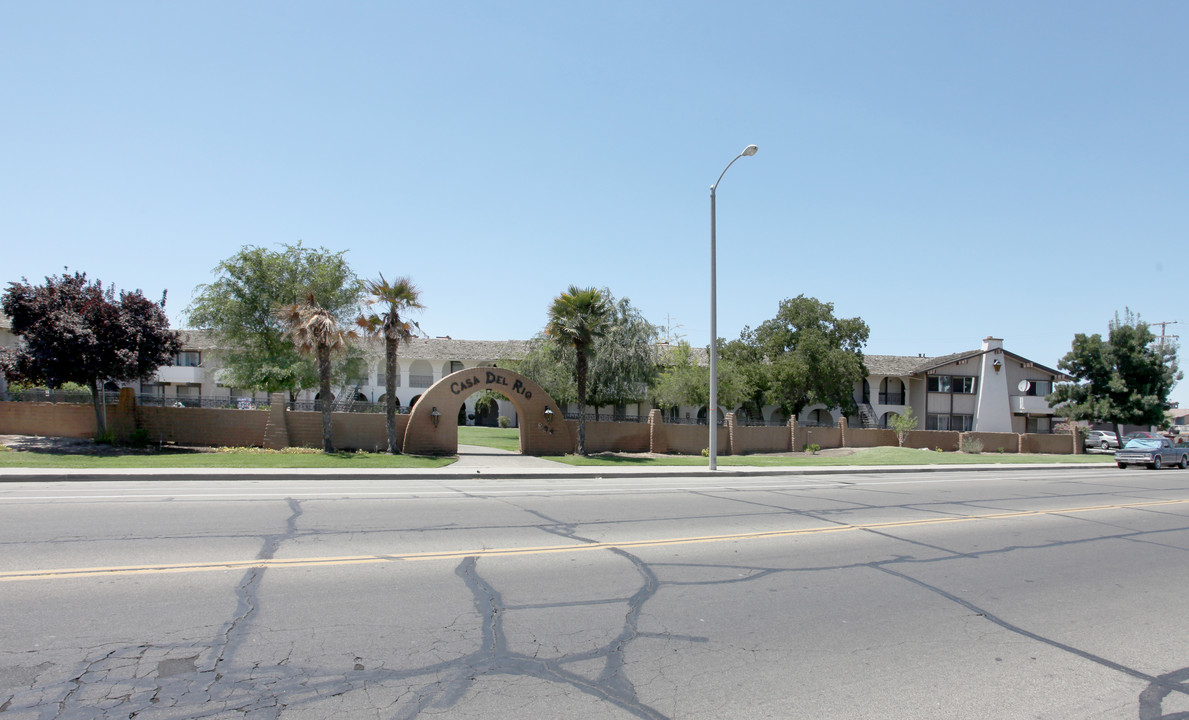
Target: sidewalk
[[488, 462]]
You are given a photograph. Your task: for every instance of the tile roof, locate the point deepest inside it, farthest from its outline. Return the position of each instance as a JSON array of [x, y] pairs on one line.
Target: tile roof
[[428, 348], [904, 365]]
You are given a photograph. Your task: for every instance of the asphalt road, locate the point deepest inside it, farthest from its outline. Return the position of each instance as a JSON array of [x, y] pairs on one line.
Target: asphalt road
[[1020, 594]]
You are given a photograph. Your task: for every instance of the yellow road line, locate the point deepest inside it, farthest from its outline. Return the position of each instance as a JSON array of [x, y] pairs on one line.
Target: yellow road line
[[63, 573]]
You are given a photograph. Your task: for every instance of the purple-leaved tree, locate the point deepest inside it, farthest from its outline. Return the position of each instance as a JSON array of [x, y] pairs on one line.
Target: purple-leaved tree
[[73, 330]]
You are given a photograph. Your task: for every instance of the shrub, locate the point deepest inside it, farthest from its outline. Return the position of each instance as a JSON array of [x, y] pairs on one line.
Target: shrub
[[970, 445], [139, 438], [812, 448], [107, 437], [705, 452], [504, 421]]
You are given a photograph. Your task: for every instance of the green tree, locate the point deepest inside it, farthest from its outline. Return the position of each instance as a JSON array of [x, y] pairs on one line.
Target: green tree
[[576, 318], [902, 424], [682, 380], [396, 299], [743, 362], [622, 360], [240, 308], [810, 356], [315, 331], [550, 365], [1123, 380], [75, 330]]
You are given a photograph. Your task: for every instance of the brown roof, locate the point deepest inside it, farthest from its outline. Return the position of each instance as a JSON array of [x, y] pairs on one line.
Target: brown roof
[[429, 348]]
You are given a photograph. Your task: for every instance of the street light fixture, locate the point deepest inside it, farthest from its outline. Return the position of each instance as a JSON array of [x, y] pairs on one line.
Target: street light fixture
[[712, 412]]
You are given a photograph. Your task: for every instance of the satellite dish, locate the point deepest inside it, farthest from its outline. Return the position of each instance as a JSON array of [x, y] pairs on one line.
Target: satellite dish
[[1024, 385]]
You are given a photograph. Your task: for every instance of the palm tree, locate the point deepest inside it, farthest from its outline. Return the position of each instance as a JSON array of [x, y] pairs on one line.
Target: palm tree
[[576, 318], [315, 331], [397, 298]]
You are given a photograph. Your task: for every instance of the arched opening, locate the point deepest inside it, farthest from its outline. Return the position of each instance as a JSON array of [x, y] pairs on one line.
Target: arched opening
[[885, 421], [891, 391], [486, 406], [778, 417], [702, 414], [414, 401], [384, 399], [420, 374], [820, 418], [539, 426]]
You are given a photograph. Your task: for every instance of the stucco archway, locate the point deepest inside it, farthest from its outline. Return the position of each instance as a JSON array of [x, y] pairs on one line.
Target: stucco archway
[[539, 435]]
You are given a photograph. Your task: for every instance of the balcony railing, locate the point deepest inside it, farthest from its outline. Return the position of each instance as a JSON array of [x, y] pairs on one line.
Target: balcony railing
[[420, 381], [886, 398]]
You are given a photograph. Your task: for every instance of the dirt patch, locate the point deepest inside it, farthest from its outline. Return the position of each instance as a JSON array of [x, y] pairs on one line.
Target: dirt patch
[[828, 452], [84, 446]]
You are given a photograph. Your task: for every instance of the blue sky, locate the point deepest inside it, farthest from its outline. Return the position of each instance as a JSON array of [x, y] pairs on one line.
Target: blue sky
[[944, 170]]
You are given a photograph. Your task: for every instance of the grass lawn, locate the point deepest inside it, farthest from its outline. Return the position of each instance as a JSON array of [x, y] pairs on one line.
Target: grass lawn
[[498, 438], [229, 460], [861, 456]]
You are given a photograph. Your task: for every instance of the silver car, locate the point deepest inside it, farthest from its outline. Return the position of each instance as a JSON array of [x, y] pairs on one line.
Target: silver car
[[1105, 439], [1154, 452]]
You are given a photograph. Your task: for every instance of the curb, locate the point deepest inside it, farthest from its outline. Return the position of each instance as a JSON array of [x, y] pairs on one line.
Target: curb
[[191, 474]]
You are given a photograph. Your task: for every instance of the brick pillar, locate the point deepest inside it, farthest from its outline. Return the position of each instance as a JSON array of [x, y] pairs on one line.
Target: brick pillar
[[658, 438], [729, 421], [842, 426], [276, 432], [123, 419], [793, 435]]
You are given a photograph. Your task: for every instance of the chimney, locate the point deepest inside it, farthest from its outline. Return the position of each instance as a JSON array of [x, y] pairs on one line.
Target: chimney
[[992, 343]]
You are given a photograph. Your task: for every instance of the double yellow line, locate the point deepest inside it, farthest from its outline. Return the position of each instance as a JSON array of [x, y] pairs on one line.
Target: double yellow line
[[89, 572]]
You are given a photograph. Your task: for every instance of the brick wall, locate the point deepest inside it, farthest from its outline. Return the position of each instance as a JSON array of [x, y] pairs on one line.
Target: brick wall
[[996, 442], [932, 439], [870, 437], [822, 436], [759, 439], [50, 419], [692, 439], [1051, 444], [616, 436], [203, 426], [366, 431]]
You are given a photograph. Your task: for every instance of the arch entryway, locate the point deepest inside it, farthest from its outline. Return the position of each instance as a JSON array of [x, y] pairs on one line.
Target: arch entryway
[[541, 432]]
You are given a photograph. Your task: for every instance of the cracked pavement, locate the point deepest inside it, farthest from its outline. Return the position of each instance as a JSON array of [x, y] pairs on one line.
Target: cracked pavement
[[1022, 596]]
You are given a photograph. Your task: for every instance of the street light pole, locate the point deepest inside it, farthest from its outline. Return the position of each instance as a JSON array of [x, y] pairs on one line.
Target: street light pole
[[712, 411]]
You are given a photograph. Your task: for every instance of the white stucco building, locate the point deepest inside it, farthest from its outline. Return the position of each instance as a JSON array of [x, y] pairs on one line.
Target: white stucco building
[[989, 389]]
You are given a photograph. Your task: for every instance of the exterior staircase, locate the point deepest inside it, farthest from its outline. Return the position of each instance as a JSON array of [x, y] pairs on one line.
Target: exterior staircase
[[867, 415]]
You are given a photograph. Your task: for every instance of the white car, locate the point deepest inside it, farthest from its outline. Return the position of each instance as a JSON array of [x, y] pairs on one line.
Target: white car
[[1105, 439]]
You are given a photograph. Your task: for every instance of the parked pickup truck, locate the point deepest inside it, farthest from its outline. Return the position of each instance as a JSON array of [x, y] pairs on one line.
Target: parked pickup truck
[[1154, 452]]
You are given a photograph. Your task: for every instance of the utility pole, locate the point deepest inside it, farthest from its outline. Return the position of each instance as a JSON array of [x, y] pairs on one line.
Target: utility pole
[[1163, 336], [671, 336]]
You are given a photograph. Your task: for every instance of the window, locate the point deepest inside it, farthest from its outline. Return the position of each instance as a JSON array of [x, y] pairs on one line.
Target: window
[[455, 366], [955, 384], [1039, 388], [188, 358], [1039, 425], [959, 423], [938, 383]]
